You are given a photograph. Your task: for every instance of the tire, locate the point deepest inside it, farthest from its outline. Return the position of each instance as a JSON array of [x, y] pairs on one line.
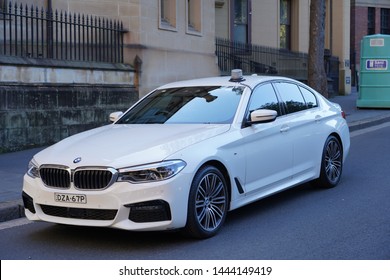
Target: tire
[[207, 203], [331, 163]]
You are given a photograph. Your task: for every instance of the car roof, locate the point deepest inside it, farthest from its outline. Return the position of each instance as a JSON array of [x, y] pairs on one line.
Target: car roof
[[250, 81]]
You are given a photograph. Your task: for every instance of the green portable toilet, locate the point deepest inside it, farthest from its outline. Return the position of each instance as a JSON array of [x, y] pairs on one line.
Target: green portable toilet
[[374, 86]]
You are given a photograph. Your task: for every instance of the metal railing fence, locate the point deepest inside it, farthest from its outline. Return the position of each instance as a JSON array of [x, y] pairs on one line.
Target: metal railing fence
[[271, 61], [39, 33]]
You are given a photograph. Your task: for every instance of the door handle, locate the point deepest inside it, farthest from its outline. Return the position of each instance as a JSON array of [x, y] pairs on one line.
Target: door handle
[[317, 118], [284, 128]]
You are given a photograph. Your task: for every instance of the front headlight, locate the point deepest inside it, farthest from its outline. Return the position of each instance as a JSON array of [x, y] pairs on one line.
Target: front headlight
[[151, 172], [33, 170]]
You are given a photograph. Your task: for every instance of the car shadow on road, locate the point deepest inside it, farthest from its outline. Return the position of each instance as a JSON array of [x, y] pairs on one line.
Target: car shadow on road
[[103, 242]]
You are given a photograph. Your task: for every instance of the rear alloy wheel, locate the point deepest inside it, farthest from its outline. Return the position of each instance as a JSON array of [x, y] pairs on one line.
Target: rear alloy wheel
[[208, 203], [332, 163]]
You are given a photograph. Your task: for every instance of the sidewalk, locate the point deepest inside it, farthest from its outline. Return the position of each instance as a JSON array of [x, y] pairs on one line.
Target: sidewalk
[[14, 165], [12, 169], [360, 118]]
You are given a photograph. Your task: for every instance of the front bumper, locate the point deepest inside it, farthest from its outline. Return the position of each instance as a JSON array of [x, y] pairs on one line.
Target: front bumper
[[152, 206]]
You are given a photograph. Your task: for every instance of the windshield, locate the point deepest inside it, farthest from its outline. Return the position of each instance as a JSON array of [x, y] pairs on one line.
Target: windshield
[[196, 105]]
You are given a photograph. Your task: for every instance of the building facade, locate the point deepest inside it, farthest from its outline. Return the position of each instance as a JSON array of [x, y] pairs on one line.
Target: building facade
[[368, 17]]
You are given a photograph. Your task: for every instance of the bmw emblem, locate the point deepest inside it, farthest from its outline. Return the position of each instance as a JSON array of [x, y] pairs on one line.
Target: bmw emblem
[[77, 160]]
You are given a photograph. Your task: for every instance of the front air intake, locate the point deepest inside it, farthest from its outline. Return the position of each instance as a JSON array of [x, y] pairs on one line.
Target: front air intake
[[149, 211], [28, 203], [79, 213]]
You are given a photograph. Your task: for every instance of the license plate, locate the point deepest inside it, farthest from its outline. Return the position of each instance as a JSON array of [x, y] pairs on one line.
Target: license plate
[[70, 198]]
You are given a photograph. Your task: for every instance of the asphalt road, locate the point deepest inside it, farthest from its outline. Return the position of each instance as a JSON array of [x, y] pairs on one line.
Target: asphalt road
[[351, 221]]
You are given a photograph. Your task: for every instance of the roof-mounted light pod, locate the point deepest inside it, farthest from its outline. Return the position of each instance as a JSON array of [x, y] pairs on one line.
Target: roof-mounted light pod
[[236, 76]]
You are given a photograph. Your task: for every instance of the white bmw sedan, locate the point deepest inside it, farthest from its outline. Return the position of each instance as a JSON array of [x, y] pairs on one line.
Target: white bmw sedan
[[189, 152]]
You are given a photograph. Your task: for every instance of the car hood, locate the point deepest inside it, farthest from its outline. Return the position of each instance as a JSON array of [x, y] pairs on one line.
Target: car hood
[[127, 145]]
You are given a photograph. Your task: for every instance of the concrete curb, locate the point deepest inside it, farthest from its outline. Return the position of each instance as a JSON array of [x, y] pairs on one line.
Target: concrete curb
[[357, 125], [11, 210]]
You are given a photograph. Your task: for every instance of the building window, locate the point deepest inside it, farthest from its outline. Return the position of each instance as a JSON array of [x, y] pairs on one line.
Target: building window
[[241, 21], [194, 17], [385, 21], [285, 24], [168, 14], [371, 21]]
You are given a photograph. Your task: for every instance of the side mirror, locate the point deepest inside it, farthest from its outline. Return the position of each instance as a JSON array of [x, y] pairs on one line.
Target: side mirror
[[262, 116], [115, 116]]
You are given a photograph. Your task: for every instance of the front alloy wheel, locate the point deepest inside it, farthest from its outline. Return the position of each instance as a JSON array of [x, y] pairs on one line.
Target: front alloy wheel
[[332, 163], [208, 203]]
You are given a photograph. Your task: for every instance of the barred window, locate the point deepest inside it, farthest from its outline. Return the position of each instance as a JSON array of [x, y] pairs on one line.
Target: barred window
[[371, 21], [385, 21]]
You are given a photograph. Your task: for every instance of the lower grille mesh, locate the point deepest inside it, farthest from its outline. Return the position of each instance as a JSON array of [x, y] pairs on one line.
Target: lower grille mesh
[[79, 213], [149, 211]]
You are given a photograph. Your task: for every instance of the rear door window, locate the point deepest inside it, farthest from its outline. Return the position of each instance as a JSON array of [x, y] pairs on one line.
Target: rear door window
[[291, 97], [311, 100]]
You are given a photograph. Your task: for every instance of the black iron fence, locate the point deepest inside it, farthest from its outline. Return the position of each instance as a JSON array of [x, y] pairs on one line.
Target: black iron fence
[[271, 61], [39, 33]]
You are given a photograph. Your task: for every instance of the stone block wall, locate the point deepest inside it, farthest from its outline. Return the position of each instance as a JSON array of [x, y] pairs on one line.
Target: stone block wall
[[44, 101], [33, 115]]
